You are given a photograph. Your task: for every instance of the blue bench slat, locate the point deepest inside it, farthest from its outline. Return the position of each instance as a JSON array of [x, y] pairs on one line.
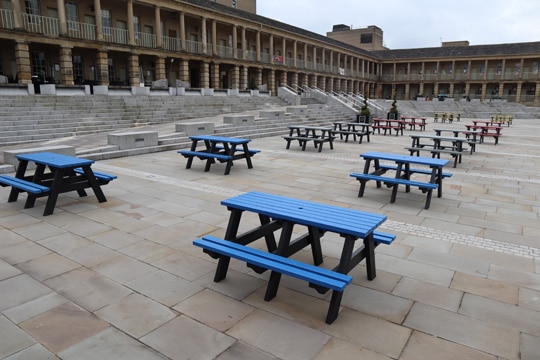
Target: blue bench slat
[[383, 238], [418, 171], [202, 154], [420, 184], [251, 151], [98, 175], [311, 273], [23, 185]]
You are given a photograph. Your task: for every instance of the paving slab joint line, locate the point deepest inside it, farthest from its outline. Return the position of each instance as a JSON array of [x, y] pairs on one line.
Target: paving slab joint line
[[411, 229]]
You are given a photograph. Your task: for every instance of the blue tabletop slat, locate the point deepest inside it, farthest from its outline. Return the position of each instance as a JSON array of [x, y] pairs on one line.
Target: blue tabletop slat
[[214, 138], [55, 160], [405, 158], [325, 217]]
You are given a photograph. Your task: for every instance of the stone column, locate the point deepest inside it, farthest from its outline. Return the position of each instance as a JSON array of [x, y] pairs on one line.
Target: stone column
[[235, 77], [22, 59], [259, 79], [271, 50], [182, 30], [183, 71], [161, 72], [243, 78], [244, 43], [214, 38], [214, 79], [66, 65], [17, 14], [99, 22], [205, 75], [133, 70], [203, 36], [295, 79], [272, 81], [157, 21], [62, 24], [102, 59], [130, 23], [235, 42], [258, 45]]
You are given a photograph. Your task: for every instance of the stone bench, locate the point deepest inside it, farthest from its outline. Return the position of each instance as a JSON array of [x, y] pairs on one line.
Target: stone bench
[[133, 139], [239, 119], [195, 128], [272, 114]]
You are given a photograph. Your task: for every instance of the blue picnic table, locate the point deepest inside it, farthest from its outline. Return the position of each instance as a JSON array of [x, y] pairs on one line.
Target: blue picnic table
[[218, 148], [433, 167], [66, 173], [283, 213]]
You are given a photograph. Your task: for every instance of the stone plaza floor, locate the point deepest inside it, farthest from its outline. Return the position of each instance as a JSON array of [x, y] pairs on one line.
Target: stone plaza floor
[[122, 280]]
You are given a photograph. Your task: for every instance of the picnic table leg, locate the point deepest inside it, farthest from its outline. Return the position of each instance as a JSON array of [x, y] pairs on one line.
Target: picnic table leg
[[369, 248], [275, 277], [230, 234], [190, 158], [247, 154], [38, 176], [315, 239], [55, 190], [21, 169], [333, 308], [93, 184], [230, 151]]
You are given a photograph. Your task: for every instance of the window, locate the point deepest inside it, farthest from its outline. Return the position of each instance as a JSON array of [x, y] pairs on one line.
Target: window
[[77, 69], [234, 4], [32, 7], [366, 38], [110, 65], [106, 22], [37, 62], [136, 27], [72, 16]]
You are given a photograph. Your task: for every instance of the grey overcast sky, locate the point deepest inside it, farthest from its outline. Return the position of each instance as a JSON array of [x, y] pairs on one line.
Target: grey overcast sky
[[416, 23]]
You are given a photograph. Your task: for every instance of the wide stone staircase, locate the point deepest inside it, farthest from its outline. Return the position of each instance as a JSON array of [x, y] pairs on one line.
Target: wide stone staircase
[[30, 119], [84, 122]]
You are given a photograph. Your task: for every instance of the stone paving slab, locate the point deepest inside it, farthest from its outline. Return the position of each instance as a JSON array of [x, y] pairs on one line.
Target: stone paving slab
[[121, 279]]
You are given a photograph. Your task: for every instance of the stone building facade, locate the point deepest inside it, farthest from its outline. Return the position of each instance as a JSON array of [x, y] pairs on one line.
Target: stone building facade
[[212, 44]]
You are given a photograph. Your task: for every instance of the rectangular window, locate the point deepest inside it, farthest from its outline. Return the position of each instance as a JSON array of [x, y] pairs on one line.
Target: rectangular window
[[110, 65], [136, 27], [78, 69], [106, 22], [366, 38], [37, 63], [32, 7], [72, 16], [234, 4]]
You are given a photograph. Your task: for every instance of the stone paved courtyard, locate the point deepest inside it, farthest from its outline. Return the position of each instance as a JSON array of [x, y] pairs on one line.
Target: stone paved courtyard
[[121, 279]]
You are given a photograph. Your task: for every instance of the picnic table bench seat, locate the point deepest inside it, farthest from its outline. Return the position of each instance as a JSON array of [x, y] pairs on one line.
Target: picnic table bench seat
[[413, 170], [495, 136], [398, 128], [313, 274], [437, 152], [426, 187], [354, 133], [103, 177], [303, 140], [204, 155], [24, 185]]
